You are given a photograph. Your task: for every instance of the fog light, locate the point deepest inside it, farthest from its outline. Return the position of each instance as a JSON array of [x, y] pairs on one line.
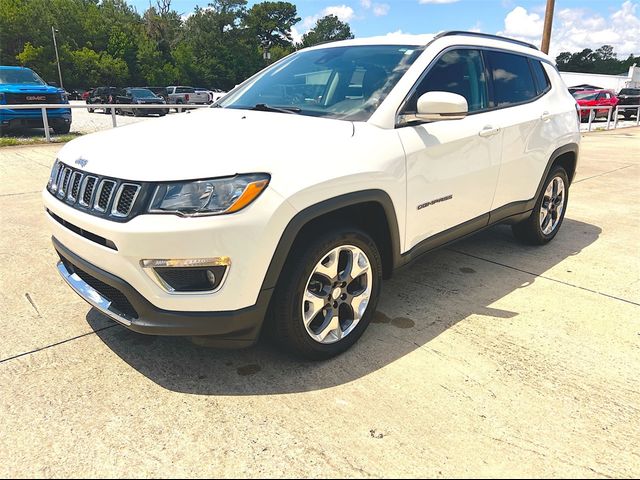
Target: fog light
[[188, 275]]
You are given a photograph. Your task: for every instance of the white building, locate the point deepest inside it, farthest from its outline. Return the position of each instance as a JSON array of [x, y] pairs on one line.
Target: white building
[[610, 82]]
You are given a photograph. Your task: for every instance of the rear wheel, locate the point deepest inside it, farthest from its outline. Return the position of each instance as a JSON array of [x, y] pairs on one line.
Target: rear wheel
[[327, 294], [62, 128], [547, 215]]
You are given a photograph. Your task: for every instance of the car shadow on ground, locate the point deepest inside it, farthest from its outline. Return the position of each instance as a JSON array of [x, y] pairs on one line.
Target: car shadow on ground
[[427, 298]]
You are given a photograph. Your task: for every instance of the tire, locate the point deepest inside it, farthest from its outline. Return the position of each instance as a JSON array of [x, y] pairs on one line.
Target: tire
[[331, 335], [546, 217], [62, 129], [90, 110]]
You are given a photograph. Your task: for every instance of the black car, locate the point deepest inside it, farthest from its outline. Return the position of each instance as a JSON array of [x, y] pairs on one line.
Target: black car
[[629, 96], [139, 95], [102, 96]]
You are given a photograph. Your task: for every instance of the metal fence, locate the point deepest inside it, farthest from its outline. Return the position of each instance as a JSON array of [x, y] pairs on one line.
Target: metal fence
[[613, 113], [108, 108]]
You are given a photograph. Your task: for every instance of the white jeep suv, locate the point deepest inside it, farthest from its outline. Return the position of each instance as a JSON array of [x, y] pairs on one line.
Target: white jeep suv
[[311, 182]]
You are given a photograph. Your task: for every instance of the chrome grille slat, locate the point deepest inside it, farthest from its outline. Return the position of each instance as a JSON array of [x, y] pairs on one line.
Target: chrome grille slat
[[125, 199], [62, 187], [104, 195], [74, 186], [86, 192]]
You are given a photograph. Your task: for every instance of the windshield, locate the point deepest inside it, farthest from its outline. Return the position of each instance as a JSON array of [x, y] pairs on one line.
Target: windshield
[[630, 91], [341, 82], [585, 96], [22, 76], [142, 93]]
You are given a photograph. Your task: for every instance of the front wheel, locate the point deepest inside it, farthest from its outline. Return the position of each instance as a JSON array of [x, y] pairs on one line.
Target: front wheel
[[547, 215], [62, 129], [328, 293]]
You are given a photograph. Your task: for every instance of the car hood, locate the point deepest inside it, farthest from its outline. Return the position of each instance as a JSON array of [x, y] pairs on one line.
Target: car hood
[[211, 142], [22, 88]]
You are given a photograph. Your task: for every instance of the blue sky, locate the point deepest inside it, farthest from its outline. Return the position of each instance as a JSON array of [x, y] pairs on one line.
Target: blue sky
[[578, 23]]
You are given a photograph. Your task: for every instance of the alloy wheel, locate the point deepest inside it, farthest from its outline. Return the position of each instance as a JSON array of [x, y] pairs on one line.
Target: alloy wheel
[[552, 205], [336, 294]]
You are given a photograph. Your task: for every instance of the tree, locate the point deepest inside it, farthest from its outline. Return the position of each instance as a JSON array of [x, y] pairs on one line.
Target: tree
[[327, 29], [271, 23], [603, 60]]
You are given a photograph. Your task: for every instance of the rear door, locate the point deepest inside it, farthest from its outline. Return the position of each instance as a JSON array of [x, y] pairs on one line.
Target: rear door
[[530, 122]]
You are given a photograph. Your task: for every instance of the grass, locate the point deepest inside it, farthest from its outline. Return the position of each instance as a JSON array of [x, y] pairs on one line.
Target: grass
[[36, 140]]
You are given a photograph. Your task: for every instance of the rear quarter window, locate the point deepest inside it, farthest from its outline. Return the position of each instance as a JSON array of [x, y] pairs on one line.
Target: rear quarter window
[[540, 76], [512, 78]]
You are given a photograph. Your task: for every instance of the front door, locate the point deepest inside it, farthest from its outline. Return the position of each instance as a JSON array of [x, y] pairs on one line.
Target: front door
[[452, 165]]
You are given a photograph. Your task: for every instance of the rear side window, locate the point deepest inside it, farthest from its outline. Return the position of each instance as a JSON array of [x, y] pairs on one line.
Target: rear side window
[[457, 71], [512, 78], [185, 90], [542, 81]]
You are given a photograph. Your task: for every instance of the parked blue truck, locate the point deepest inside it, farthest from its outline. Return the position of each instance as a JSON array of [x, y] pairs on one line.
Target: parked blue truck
[[20, 86]]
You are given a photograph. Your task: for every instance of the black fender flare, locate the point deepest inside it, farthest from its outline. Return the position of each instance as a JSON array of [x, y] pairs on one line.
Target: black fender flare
[[302, 218]]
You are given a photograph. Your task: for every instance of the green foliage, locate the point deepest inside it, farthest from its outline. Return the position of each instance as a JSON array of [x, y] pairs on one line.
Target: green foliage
[[603, 60], [107, 42], [327, 29]]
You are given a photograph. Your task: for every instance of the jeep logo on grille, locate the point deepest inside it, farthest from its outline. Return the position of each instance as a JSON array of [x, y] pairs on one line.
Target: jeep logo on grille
[[82, 162], [35, 98]]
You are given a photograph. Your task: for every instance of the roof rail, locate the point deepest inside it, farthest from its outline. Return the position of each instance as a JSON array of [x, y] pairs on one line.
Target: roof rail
[[485, 35]]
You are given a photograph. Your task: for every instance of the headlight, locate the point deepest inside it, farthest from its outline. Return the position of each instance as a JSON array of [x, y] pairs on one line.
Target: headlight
[[64, 97], [208, 197]]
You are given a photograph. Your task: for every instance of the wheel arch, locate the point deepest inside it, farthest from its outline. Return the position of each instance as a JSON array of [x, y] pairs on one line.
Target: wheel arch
[[371, 210]]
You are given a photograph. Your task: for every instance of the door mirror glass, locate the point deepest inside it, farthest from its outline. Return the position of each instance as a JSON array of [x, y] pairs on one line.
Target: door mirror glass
[[435, 106]]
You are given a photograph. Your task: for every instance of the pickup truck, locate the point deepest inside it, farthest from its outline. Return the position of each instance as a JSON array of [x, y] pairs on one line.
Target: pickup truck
[[186, 96], [21, 86]]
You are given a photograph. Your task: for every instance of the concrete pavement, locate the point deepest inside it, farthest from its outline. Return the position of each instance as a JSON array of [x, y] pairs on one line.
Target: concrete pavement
[[487, 358]]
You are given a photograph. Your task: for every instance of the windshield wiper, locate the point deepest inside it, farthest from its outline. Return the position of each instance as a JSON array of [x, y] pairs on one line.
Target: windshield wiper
[[263, 107]]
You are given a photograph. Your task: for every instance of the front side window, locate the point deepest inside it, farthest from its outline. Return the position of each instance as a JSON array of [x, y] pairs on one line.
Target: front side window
[[347, 83], [512, 78], [457, 71]]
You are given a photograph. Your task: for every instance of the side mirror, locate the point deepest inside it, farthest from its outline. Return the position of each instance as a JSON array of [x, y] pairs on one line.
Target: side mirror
[[53, 84], [435, 106]]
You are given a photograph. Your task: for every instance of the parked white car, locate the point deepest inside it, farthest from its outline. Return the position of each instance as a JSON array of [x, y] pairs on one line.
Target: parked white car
[[311, 182]]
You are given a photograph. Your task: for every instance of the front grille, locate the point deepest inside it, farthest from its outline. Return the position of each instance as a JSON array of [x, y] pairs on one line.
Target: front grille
[[111, 198], [118, 299], [29, 98]]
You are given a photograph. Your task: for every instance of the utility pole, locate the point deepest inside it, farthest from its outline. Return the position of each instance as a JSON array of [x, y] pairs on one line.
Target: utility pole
[[548, 23], [55, 46]]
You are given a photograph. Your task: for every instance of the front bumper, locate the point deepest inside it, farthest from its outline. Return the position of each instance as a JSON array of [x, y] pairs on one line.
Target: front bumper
[[121, 302], [33, 118]]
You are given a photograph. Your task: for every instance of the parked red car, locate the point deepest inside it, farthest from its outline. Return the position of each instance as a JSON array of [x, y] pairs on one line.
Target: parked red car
[[595, 98]]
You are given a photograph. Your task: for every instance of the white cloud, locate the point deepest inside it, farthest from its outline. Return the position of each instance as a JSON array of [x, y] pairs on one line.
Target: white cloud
[[381, 9], [366, 3], [343, 12], [438, 1], [575, 29]]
